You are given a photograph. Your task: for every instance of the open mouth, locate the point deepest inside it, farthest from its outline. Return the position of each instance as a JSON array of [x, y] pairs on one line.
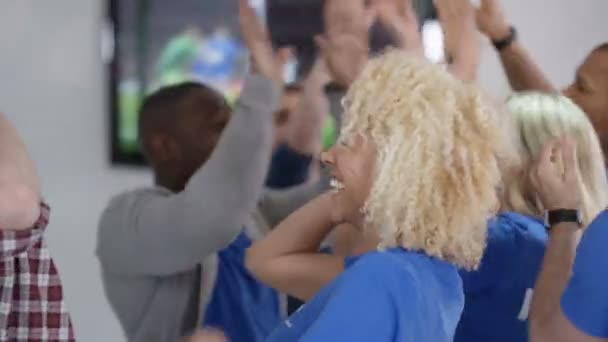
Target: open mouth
[[336, 185]]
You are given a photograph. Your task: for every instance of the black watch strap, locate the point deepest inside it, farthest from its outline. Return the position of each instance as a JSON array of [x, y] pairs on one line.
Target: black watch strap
[[502, 44], [557, 216]]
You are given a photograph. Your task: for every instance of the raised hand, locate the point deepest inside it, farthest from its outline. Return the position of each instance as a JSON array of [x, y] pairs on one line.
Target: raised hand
[[491, 20], [345, 44], [555, 175], [462, 43], [399, 18], [263, 59]]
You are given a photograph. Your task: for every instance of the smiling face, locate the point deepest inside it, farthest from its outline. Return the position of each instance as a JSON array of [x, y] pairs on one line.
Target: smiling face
[[419, 152], [351, 163]]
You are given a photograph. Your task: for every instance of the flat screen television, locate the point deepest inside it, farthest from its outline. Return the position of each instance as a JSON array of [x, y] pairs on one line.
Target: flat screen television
[[153, 43]]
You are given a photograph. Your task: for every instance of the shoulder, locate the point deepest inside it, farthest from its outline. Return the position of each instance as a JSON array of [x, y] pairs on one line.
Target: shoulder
[[514, 228], [126, 200], [396, 267], [126, 204]]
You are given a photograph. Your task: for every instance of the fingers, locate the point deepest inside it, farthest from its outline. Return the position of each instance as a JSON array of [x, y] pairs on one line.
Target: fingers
[[487, 5], [251, 28], [453, 8], [547, 156], [569, 159]]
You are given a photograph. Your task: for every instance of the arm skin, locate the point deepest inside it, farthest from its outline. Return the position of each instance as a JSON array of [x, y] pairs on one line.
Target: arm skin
[[521, 70], [288, 258], [19, 185], [547, 320]]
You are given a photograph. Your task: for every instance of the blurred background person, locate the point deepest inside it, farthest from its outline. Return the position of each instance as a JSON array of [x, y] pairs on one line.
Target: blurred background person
[[498, 295], [172, 255], [589, 89]]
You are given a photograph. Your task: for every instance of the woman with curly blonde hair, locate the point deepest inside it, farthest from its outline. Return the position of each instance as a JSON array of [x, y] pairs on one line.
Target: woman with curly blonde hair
[[417, 165], [498, 295]]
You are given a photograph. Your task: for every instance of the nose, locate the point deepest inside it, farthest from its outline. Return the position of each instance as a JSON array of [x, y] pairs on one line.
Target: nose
[[328, 157]]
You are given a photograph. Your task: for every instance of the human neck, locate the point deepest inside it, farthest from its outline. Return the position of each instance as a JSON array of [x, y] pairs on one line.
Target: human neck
[[170, 182]]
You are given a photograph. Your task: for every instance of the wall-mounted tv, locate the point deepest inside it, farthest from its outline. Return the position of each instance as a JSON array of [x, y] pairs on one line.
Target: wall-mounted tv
[[154, 43]]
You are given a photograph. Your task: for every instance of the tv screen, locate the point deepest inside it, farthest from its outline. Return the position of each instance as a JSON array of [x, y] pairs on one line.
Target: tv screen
[[155, 43]]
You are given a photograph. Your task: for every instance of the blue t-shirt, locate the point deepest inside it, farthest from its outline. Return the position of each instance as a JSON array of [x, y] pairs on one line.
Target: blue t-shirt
[[498, 294], [393, 295], [242, 307], [585, 301]]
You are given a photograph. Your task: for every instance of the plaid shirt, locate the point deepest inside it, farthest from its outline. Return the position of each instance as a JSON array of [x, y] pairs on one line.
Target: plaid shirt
[[31, 297]]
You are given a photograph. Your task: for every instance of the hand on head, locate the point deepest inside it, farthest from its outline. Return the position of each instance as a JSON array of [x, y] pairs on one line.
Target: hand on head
[[555, 177], [263, 59], [345, 44]]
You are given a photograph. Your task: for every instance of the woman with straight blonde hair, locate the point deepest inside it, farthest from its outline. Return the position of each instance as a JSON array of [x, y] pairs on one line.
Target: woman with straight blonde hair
[[498, 295]]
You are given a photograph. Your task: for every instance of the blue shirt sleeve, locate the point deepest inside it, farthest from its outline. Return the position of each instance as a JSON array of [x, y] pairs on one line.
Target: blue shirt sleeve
[[501, 249], [362, 308], [585, 301]]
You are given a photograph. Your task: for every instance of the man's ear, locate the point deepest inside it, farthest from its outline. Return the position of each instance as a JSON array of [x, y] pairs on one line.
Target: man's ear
[[164, 147]]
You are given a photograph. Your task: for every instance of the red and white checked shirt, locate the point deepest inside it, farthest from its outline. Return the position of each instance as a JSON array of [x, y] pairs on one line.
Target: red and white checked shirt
[[31, 297]]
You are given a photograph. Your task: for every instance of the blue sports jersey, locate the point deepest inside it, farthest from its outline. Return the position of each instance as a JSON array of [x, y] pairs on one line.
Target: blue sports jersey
[[393, 295], [243, 308], [585, 301], [498, 295]]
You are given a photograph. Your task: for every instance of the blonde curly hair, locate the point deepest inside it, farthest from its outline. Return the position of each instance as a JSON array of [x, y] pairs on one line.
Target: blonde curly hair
[[538, 118], [437, 171]]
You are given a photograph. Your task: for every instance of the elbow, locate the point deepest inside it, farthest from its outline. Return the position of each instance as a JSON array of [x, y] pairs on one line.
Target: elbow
[[255, 262], [19, 207]]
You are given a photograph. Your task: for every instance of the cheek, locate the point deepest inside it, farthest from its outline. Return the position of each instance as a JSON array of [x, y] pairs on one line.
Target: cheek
[[359, 182]]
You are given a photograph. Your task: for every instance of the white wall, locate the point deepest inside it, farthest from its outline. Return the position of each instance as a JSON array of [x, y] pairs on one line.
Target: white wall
[[52, 86]]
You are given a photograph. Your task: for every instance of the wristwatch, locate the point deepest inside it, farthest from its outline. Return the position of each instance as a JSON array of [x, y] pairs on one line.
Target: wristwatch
[[502, 44], [556, 216]]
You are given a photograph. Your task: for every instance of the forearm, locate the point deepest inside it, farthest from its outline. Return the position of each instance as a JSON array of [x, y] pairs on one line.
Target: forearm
[[301, 232], [19, 184], [288, 258], [521, 70], [553, 278]]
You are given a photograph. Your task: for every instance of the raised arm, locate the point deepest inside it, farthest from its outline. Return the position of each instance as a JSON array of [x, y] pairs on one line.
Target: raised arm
[[521, 70], [158, 235], [19, 184], [288, 259], [559, 189], [457, 18]]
